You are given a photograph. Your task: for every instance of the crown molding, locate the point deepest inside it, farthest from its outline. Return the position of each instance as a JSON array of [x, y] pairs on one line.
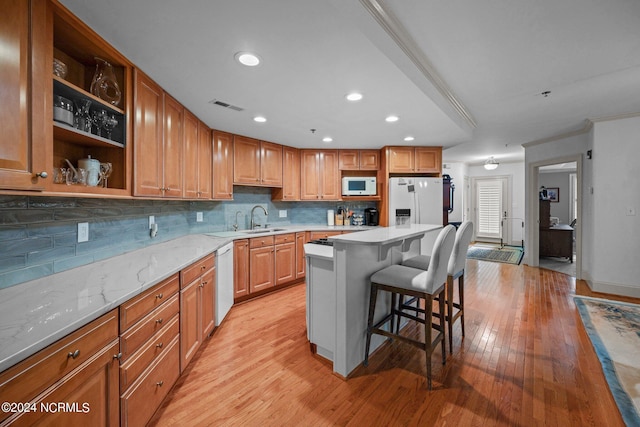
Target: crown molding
[[392, 26]]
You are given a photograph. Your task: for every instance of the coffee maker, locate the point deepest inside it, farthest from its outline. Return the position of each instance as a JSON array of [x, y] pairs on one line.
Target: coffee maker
[[371, 216]]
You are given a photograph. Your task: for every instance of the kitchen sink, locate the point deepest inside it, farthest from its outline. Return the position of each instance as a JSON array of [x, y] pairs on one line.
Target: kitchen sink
[[263, 230]]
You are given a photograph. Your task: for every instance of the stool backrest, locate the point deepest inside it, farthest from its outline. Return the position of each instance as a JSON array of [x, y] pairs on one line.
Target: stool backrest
[[460, 248], [442, 248]]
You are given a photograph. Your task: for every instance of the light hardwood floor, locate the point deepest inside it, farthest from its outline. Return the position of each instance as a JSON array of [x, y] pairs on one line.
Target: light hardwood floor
[[525, 361]]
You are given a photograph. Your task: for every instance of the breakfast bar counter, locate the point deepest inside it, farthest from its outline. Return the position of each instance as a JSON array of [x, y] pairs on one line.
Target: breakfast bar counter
[[339, 288]]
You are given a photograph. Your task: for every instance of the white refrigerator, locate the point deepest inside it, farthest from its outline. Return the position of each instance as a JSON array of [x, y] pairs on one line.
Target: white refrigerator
[[416, 200]]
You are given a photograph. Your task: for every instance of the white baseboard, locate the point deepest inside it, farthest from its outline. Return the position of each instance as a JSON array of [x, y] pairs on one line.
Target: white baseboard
[[614, 289]]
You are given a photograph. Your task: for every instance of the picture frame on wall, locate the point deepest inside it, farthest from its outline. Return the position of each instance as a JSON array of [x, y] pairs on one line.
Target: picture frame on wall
[[553, 194]]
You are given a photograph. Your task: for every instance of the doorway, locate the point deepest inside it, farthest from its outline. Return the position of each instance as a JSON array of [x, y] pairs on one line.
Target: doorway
[[562, 177]]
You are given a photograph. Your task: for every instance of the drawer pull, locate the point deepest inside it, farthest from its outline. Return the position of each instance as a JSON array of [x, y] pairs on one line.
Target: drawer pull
[[203, 267], [117, 356], [159, 320], [73, 355], [159, 296], [160, 383], [159, 345]]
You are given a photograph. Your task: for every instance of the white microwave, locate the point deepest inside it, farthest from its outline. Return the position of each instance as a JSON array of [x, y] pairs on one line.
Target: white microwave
[[359, 186]]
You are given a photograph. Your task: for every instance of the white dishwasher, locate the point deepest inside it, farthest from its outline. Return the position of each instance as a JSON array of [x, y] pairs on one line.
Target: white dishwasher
[[224, 281]]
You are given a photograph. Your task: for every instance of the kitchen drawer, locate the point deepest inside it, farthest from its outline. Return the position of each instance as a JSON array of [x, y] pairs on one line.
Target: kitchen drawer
[[195, 270], [133, 338], [313, 235], [285, 238], [140, 402], [93, 387], [25, 380], [141, 359], [260, 242], [138, 307]]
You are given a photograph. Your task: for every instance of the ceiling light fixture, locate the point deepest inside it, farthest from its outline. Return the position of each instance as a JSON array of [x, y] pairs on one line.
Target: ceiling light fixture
[[259, 119], [409, 138], [353, 96], [391, 119], [247, 58], [491, 164], [327, 139]]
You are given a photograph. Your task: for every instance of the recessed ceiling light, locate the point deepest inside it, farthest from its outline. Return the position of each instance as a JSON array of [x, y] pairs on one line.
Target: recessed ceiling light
[[247, 58], [327, 139], [259, 119], [408, 138], [391, 119], [353, 96]]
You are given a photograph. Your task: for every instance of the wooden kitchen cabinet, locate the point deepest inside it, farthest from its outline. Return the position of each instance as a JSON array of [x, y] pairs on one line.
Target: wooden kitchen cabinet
[[301, 239], [240, 268], [290, 190], [22, 161], [149, 342], [285, 258], [222, 165], [415, 160], [356, 160], [33, 144], [173, 147], [197, 307], [320, 178], [158, 146], [428, 159], [198, 158], [261, 264], [256, 162], [81, 367]]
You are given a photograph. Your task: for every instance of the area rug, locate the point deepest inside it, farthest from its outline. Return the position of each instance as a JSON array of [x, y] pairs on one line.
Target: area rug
[[614, 329], [507, 254]]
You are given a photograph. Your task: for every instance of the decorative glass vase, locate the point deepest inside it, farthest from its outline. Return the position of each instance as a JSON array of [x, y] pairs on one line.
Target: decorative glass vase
[[104, 84]]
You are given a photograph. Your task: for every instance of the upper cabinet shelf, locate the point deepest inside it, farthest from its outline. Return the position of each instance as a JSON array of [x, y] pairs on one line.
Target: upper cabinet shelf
[[69, 90]]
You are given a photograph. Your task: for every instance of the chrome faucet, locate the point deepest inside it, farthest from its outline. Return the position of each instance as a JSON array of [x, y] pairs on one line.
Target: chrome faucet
[[253, 223], [235, 226]]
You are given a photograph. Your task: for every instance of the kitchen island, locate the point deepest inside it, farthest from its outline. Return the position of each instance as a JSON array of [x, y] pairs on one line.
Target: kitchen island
[[338, 288]]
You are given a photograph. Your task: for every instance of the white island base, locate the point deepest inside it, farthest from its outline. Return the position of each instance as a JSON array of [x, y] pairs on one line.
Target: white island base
[[338, 288]]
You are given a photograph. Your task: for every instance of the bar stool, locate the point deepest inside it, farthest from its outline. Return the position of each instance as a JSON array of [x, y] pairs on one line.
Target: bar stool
[[406, 281], [455, 270]]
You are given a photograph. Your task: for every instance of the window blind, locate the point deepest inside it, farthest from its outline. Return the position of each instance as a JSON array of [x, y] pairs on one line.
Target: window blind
[[489, 195]]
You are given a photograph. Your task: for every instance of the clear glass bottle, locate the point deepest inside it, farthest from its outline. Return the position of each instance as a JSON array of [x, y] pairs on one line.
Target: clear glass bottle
[[104, 84]]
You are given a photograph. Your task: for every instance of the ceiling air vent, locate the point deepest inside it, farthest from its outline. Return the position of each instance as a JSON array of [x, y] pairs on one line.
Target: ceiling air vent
[[225, 105]]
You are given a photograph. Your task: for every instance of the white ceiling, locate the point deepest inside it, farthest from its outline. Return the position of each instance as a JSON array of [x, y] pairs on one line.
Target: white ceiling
[[463, 74]]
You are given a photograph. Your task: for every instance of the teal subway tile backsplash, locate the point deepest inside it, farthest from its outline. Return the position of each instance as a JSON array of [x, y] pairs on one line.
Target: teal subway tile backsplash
[[38, 234]]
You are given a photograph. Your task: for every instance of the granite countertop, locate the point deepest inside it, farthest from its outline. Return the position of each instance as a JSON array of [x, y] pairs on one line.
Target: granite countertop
[[37, 313]]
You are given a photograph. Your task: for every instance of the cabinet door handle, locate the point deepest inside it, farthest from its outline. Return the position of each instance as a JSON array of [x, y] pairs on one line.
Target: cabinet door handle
[[73, 355], [160, 383], [159, 296], [159, 345], [42, 174], [159, 320], [117, 356]]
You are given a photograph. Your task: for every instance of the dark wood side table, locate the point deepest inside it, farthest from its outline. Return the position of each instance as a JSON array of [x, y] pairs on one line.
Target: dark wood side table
[[557, 241]]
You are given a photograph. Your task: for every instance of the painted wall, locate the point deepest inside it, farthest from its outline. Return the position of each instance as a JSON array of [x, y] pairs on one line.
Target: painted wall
[[38, 235], [610, 238], [616, 192], [558, 180]]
